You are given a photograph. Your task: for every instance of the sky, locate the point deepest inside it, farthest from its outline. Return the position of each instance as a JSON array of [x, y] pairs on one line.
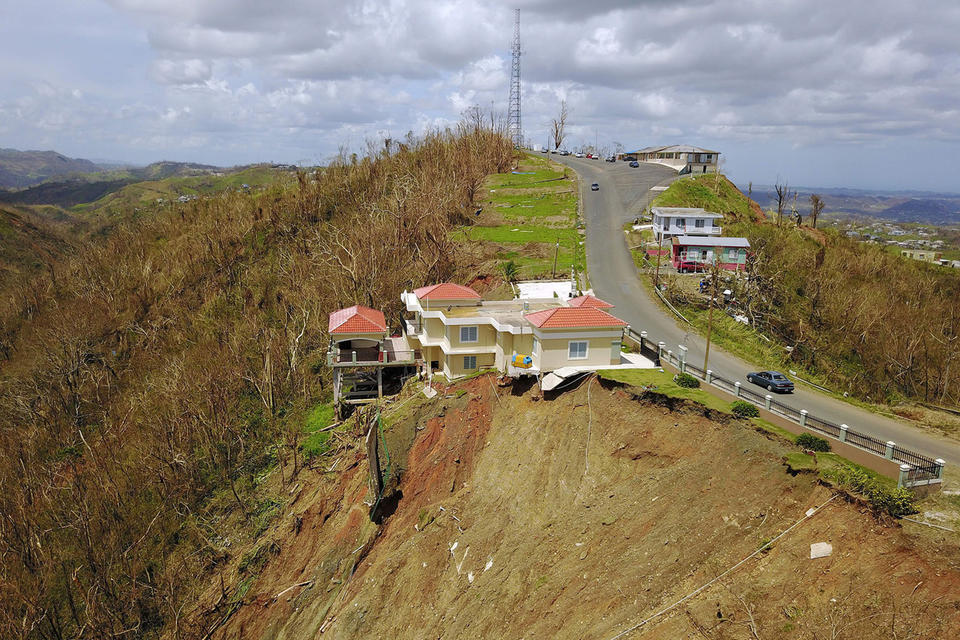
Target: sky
[[859, 93]]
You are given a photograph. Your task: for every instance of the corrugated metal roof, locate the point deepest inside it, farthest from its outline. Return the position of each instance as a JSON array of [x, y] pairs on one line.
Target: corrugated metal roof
[[573, 317], [357, 319], [676, 148], [446, 291], [707, 241]]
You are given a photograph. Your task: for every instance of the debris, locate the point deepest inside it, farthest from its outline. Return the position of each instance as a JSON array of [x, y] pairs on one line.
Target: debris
[[810, 512], [488, 565], [820, 550], [470, 577]]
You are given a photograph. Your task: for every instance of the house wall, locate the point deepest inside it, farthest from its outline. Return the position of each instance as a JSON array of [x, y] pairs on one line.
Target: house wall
[[554, 352], [453, 364], [434, 328], [486, 337]]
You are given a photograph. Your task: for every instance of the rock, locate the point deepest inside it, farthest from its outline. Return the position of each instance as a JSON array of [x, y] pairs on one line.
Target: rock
[[820, 550]]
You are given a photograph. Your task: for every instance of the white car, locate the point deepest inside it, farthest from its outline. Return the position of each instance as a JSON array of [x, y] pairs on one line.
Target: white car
[[578, 154]]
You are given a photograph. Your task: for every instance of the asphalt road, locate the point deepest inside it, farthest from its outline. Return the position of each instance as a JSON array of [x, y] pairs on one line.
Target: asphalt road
[[624, 192]]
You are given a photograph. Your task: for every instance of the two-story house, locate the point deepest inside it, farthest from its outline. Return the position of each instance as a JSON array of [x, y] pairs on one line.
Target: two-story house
[[458, 332], [669, 222]]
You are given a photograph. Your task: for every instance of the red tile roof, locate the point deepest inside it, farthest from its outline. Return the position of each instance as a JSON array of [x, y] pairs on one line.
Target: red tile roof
[[589, 302], [446, 291], [573, 317], [357, 319]]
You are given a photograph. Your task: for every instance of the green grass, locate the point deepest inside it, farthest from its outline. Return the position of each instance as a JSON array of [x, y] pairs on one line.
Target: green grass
[[707, 192], [522, 235], [662, 382], [538, 205], [316, 443]]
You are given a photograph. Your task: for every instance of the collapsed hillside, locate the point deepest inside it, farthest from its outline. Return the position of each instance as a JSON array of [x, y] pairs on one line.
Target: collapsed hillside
[[579, 517]]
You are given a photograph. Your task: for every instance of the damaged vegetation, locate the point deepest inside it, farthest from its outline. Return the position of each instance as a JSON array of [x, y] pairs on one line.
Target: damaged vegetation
[[159, 385]]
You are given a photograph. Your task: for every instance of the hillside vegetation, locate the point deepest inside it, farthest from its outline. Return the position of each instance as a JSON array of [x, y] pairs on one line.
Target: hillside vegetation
[[152, 381], [862, 320], [20, 169]]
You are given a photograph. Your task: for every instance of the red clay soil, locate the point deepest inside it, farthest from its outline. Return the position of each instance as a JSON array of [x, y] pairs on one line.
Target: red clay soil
[[581, 516]]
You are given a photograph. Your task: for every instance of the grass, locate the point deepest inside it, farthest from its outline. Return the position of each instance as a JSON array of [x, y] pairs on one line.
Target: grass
[[316, 443], [537, 207], [662, 382]]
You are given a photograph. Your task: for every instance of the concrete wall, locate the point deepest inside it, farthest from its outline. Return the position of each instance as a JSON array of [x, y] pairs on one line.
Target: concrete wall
[[443, 304], [554, 353], [486, 337], [453, 364]]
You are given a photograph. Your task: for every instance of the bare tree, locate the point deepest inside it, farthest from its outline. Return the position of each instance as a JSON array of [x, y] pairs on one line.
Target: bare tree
[[558, 125], [783, 196], [816, 208]]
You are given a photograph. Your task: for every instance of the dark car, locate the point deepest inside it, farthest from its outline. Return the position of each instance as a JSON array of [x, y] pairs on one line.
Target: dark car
[[634, 163], [771, 381], [595, 187], [612, 159]]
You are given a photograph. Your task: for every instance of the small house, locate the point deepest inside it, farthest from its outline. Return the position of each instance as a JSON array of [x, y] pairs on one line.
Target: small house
[[698, 253]]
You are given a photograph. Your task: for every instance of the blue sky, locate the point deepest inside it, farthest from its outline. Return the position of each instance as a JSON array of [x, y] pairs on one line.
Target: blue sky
[[861, 93]]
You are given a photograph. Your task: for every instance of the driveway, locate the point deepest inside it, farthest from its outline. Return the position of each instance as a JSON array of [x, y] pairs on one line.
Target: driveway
[[624, 192]]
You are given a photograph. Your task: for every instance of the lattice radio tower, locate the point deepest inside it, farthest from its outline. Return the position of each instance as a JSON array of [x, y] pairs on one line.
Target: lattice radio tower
[[513, 113]]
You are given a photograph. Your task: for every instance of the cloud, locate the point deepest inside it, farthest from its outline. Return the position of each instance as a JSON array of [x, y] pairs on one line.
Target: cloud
[[298, 78]]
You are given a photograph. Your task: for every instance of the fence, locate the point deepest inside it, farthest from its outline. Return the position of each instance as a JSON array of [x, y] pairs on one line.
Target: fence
[[916, 469]]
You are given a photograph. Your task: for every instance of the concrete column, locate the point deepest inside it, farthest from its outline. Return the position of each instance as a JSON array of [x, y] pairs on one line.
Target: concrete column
[[354, 356], [904, 472], [683, 358], [709, 376], [643, 334], [843, 432], [889, 452], [379, 382], [670, 356], [660, 346], [736, 388], [766, 401], [940, 463], [803, 417]]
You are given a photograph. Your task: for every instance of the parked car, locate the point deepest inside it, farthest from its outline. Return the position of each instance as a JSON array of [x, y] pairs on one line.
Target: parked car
[[564, 152], [544, 150], [771, 381], [578, 154], [612, 159], [690, 266], [595, 187], [634, 163], [553, 151]]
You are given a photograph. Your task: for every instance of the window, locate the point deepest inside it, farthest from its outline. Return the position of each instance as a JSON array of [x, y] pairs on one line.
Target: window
[[468, 334], [700, 224], [682, 223], [470, 362], [577, 350], [536, 347], [732, 254]]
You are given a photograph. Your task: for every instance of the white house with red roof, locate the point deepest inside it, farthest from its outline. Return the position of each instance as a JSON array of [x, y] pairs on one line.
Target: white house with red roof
[[450, 329]]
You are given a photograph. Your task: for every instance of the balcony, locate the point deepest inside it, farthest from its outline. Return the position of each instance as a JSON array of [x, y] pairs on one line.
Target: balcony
[[390, 352]]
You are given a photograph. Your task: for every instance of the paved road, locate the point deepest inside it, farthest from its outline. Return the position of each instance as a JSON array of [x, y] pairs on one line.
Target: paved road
[[623, 193]]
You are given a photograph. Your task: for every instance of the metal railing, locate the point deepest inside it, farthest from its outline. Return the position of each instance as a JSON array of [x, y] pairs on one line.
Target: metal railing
[[368, 356], [917, 468]]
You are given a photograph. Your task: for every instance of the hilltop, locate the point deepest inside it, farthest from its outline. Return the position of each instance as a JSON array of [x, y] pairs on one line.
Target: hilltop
[[20, 169]]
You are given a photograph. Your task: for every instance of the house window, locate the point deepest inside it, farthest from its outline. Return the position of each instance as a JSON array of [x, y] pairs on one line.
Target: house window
[[682, 223], [536, 347], [700, 224], [732, 254], [468, 334], [470, 362], [577, 350]]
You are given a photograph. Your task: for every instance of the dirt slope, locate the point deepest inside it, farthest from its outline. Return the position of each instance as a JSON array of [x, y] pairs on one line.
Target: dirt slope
[[580, 516]]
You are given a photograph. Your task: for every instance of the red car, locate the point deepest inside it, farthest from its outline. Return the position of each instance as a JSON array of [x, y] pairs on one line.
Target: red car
[[689, 266]]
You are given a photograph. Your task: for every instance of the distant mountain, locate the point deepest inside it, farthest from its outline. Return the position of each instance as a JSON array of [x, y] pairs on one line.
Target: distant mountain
[[80, 189], [19, 169], [896, 206]]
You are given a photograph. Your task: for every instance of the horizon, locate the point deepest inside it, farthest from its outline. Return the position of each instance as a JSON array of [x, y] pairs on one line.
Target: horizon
[[863, 103]]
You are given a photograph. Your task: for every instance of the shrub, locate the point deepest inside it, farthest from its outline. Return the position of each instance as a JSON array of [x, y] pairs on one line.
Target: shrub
[[896, 502], [686, 380], [743, 409], [812, 442]]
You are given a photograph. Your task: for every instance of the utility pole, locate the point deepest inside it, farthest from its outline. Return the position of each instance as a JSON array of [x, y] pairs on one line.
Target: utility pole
[[714, 276], [656, 278], [556, 254], [513, 115]]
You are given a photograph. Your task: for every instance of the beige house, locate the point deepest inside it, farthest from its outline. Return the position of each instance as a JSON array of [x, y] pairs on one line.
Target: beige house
[[922, 255], [682, 157], [458, 333]]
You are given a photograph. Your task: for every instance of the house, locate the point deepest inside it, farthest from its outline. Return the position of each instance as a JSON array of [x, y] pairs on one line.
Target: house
[[697, 253], [459, 333], [923, 256], [684, 221], [682, 157]]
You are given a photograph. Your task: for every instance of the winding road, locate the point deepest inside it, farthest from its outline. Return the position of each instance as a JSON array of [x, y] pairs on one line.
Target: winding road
[[623, 194]]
